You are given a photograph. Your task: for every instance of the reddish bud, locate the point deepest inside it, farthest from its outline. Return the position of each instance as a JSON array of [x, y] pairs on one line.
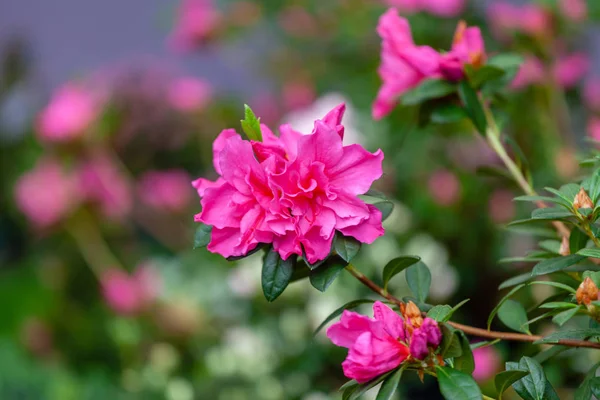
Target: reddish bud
[[587, 292], [582, 200]]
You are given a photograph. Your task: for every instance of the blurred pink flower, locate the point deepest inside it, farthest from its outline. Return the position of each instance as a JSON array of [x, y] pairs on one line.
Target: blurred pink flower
[[70, 112], [444, 187], [294, 191], [501, 206], [46, 194], [169, 190], [298, 94], [267, 106], [570, 69], [298, 22], [593, 128], [487, 363], [375, 345], [129, 294], [531, 72], [575, 10], [591, 93], [506, 18], [467, 48], [442, 8], [189, 94], [102, 183], [196, 21]]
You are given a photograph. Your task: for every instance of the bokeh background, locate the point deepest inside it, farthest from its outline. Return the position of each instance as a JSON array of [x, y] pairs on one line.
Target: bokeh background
[[108, 111]]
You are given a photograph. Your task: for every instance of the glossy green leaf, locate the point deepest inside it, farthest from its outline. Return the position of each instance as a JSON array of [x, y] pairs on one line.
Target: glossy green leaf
[[440, 313], [589, 252], [473, 106], [556, 264], [513, 315], [364, 388], [484, 74], [251, 124], [428, 89], [505, 298], [465, 362], [561, 318], [506, 378], [386, 208], [584, 391], [396, 266], [550, 213], [553, 246], [558, 304], [515, 280], [418, 278], [202, 236], [276, 274], [509, 62], [577, 240], [450, 345], [345, 246], [390, 384], [323, 276], [348, 306], [455, 384]]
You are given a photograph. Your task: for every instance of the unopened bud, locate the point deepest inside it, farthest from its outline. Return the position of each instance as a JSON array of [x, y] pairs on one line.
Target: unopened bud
[[582, 200], [587, 292], [412, 314], [565, 249]]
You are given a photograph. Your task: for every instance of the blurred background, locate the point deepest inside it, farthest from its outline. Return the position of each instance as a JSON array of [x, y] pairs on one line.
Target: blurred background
[[108, 111]]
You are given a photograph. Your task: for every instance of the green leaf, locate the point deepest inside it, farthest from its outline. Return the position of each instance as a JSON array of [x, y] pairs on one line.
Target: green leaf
[[251, 125], [376, 194], [584, 392], [534, 386], [576, 334], [495, 310], [364, 388], [322, 277], [506, 61], [473, 106], [556, 264], [396, 266], [202, 236], [570, 191], [561, 318], [515, 280], [347, 247], [455, 384], [485, 73], [428, 89], [589, 252], [465, 362], [564, 200], [550, 213], [450, 345], [348, 306], [440, 313], [276, 274], [386, 208], [418, 278], [447, 113], [558, 304], [513, 315], [390, 384], [555, 284], [577, 240], [506, 378], [553, 246], [594, 191]]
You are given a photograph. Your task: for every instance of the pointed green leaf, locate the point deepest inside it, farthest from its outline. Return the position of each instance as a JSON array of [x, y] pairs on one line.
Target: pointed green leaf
[[323, 276], [455, 384], [513, 315], [440, 312], [589, 252], [506, 378], [515, 280], [202, 236], [386, 208], [251, 125], [577, 240], [534, 386], [594, 191], [389, 386], [276, 274], [556, 264], [550, 213], [465, 362], [427, 90], [450, 345], [447, 113], [473, 106], [505, 298], [396, 266], [347, 247], [584, 392], [418, 278], [561, 318]]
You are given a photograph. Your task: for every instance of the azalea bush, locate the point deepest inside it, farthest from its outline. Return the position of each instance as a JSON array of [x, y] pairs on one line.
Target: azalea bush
[[408, 209]]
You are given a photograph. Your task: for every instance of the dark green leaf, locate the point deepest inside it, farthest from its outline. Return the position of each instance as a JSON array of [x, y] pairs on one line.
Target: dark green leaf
[[389, 386], [455, 384], [506, 61], [447, 114], [589, 252], [301, 271], [513, 315], [251, 125], [506, 378], [376, 194], [576, 334], [515, 280], [440, 313], [321, 278], [495, 310], [584, 392], [364, 388], [276, 274], [450, 345], [347, 247], [485, 73], [532, 386], [473, 106], [564, 316], [577, 240], [386, 208], [558, 304], [465, 362], [556, 264], [570, 191], [396, 266], [428, 89], [418, 277], [553, 246], [202, 236], [551, 213], [348, 306]]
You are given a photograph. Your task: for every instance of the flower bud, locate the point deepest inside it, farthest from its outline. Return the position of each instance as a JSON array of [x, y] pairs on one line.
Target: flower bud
[[587, 292], [582, 200], [412, 315], [565, 249]]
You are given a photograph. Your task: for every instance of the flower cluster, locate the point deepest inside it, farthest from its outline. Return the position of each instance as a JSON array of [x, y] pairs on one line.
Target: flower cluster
[[380, 344], [294, 191], [404, 64]]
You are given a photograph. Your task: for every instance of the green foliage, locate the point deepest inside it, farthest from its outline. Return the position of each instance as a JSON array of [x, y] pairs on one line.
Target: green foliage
[[202, 236], [251, 124], [390, 384], [455, 384], [473, 106], [534, 386], [505, 379], [396, 266], [513, 315], [556, 264], [418, 278], [386, 208], [323, 276], [429, 89], [345, 246], [584, 392], [276, 274]]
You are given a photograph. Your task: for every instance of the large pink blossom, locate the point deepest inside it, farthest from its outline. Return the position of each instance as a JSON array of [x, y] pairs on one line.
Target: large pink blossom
[[196, 21], [46, 194], [442, 8], [375, 346], [405, 65], [70, 112], [169, 190], [294, 191]]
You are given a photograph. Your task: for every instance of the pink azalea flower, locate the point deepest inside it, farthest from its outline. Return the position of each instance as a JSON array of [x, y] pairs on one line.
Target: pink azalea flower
[[570, 69], [375, 345], [593, 128], [46, 194], [196, 21], [189, 94], [444, 187], [405, 65], [129, 294], [70, 112], [103, 184], [426, 336], [294, 191], [169, 190], [506, 18], [575, 10], [591, 94], [531, 72], [487, 363]]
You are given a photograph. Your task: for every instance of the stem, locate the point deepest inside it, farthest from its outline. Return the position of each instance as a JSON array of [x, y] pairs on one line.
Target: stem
[[487, 397], [586, 227], [483, 333], [493, 138]]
